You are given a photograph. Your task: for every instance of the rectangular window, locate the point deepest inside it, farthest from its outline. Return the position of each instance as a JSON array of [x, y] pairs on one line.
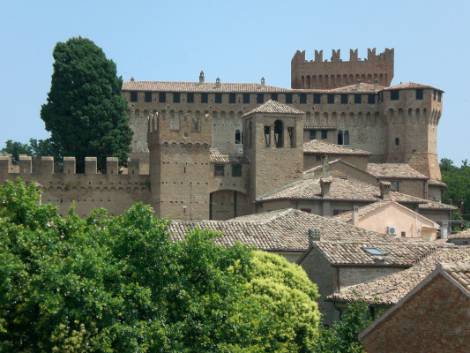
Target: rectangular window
[[317, 98], [324, 134], [419, 94], [267, 136], [260, 98], [238, 137], [371, 98], [313, 134], [357, 98], [190, 97], [302, 98], [395, 185], [308, 210], [148, 97], [232, 98], [274, 96], [162, 97], [343, 137], [134, 96], [344, 99], [176, 97], [394, 95], [288, 98], [236, 170], [246, 98], [219, 170], [204, 98], [331, 99], [291, 133], [218, 98]]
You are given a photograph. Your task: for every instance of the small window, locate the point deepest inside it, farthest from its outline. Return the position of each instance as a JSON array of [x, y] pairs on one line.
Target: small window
[[313, 134], [394, 95], [288, 98], [357, 98], [331, 98], [397, 141], [219, 170], [238, 137], [134, 96], [439, 96], [176, 97], [274, 96], [395, 185], [196, 124], [343, 137], [291, 133], [204, 98], [279, 133], [308, 210], [218, 98], [403, 234], [267, 136], [246, 98], [374, 251], [148, 97], [317, 98], [190, 97], [232, 98], [302, 98], [236, 170], [344, 99], [324, 134], [371, 98], [162, 97], [419, 94], [260, 98]]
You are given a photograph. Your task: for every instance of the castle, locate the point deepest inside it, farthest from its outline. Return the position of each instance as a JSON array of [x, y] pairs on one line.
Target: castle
[[215, 150]]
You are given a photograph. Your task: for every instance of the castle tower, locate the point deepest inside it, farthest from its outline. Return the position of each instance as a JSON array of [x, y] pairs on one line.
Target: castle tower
[[412, 112], [179, 164], [273, 145], [323, 74]]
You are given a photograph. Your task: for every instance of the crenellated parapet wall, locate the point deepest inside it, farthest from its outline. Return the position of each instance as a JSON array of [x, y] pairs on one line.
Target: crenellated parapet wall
[[114, 190], [327, 74]]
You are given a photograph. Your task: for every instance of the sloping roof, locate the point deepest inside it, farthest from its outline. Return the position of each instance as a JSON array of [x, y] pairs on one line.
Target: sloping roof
[[215, 156], [173, 86], [460, 272], [359, 87], [394, 170], [436, 205], [390, 289], [397, 253], [282, 230], [318, 146], [340, 189], [408, 85], [366, 210], [437, 182], [274, 107], [465, 234]]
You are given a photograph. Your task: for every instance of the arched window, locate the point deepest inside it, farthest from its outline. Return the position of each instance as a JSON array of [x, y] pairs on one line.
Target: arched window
[[279, 133], [238, 137]]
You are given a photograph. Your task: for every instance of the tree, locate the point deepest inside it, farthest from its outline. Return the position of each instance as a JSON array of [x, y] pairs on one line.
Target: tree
[[458, 187], [120, 284], [85, 112], [16, 148], [33, 148]]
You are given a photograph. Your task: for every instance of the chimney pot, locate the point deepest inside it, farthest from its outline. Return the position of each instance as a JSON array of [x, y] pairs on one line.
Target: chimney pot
[[385, 187], [325, 184]]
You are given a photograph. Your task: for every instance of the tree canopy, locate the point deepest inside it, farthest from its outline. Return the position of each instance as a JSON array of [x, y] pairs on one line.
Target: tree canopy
[[121, 284], [33, 148], [458, 186], [85, 112]]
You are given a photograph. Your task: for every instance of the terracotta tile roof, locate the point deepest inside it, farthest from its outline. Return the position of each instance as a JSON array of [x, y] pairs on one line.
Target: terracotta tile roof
[[282, 230], [215, 156], [465, 234], [340, 189], [317, 146], [460, 272], [394, 170], [172, 86], [361, 87], [436, 205], [390, 289], [408, 85], [394, 253], [276, 108]]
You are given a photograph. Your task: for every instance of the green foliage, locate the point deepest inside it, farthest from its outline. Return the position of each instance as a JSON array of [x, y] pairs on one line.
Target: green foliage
[[342, 336], [120, 284], [33, 148], [85, 112], [458, 186]]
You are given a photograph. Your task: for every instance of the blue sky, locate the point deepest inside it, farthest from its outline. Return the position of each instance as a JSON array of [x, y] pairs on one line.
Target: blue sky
[[237, 41]]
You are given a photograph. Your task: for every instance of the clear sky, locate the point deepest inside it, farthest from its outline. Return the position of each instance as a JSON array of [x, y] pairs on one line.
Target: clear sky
[[240, 41]]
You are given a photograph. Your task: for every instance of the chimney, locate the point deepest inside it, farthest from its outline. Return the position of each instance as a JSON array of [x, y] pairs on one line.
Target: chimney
[[201, 77], [313, 236], [325, 184], [355, 215], [385, 187]]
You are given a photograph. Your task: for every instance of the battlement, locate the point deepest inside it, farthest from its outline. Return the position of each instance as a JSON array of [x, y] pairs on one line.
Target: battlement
[[333, 73]]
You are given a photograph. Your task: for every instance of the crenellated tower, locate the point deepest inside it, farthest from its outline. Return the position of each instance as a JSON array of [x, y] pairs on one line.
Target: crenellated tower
[[324, 74], [179, 164]]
